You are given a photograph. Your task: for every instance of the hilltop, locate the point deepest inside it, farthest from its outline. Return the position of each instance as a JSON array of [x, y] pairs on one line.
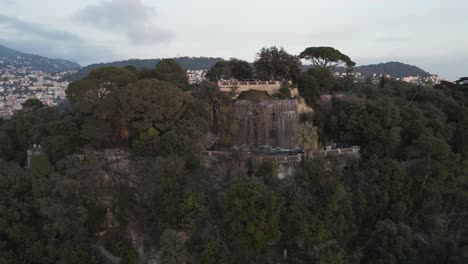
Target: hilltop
[[17, 59], [188, 63], [394, 69]]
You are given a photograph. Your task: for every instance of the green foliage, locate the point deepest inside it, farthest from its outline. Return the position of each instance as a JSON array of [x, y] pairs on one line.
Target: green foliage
[[189, 63], [170, 71], [63, 138], [402, 200], [39, 171], [319, 207], [309, 89], [168, 184], [120, 246], [95, 93], [32, 104], [307, 138], [232, 69], [153, 104], [191, 209], [390, 243], [97, 97], [283, 93], [173, 250], [250, 214], [19, 228], [410, 175], [325, 79], [276, 64], [326, 57]]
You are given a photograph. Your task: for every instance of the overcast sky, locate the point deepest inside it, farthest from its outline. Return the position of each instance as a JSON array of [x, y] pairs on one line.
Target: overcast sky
[[431, 34]]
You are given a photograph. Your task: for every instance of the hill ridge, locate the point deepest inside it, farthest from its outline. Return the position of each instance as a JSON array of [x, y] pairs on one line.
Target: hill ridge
[[188, 63], [38, 62], [393, 68]]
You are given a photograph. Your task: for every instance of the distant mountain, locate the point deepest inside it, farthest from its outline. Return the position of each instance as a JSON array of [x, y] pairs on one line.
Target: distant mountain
[[188, 63], [10, 57], [7, 52], [394, 69]]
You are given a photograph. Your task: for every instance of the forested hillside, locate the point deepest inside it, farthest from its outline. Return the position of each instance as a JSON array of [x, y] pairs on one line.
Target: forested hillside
[[188, 63], [394, 69], [119, 177]]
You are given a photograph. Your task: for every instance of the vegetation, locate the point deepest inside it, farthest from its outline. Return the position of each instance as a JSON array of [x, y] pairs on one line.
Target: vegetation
[[188, 63], [394, 69], [326, 57], [118, 177], [232, 69], [276, 64]]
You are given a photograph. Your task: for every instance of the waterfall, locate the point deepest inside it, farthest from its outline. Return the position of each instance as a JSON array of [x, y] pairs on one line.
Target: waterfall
[[266, 122]]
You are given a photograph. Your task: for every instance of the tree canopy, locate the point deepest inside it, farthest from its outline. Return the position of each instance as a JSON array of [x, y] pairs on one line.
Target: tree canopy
[[122, 177], [169, 70], [231, 69], [327, 57], [276, 64]]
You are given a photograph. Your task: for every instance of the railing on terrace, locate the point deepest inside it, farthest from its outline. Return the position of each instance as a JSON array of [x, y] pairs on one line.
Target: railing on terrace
[[355, 150], [239, 83]]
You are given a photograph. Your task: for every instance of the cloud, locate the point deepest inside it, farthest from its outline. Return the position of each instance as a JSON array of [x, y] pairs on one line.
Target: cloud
[[41, 40], [130, 17], [7, 2], [393, 38], [36, 29]]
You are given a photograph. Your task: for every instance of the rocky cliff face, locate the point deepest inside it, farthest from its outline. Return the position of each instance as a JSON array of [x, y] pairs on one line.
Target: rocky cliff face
[[262, 122]]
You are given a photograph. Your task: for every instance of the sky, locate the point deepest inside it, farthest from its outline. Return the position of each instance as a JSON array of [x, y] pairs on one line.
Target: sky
[[431, 34]]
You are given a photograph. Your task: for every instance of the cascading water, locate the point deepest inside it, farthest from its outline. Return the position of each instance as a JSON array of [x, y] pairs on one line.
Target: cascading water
[[266, 122]]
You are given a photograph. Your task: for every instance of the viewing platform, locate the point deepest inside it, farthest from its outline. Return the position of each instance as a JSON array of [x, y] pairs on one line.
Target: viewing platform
[[280, 158], [238, 87]]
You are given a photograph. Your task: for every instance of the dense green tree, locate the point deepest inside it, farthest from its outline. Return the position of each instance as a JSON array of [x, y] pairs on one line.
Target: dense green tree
[[21, 137], [240, 70], [97, 92], [276, 64], [70, 197], [390, 243], [32, 104], [309, 89], [327, 57], [170, 71], [20, 225], [284, 92], [160, 184], [232, 69], [220, 71], [7, 145], [250, 215], [96, 96], [318, 214], [191, 209], [62, 138], [324, 77], [173, 250], [39, 170], [152, 106], [307, 138], [382, 132]]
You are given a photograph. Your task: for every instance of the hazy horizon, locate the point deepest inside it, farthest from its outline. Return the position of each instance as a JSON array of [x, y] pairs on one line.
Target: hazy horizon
[[427, 34]]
